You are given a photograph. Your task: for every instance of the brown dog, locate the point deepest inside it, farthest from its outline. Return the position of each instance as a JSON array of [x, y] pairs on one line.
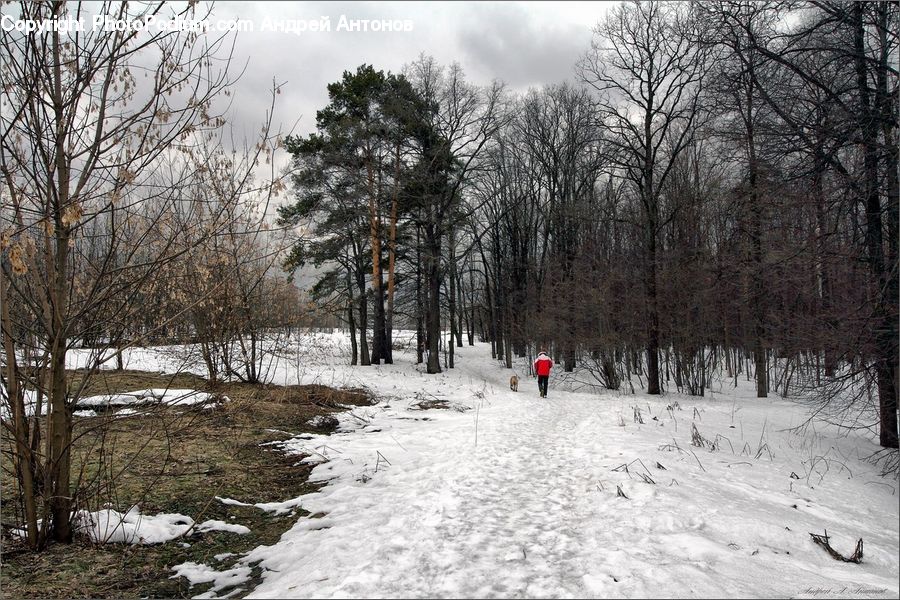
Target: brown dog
[[514, 383]]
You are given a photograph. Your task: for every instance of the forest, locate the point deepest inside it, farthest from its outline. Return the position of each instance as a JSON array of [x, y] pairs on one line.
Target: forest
[[715, 194]]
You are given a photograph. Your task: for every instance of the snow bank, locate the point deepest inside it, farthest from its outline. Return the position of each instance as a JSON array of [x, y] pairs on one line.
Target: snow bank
[[108, 526], [87, 406]]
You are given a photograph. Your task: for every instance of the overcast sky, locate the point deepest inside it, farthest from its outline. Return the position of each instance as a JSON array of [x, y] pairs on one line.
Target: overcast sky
[[524, 44]]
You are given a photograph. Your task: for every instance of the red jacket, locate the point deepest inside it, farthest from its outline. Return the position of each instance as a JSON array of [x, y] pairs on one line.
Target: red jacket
[[543, 364]]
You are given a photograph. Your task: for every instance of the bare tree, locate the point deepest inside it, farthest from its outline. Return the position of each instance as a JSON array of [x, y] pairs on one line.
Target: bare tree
[[462, 120], [647, 65], [92, 124], [862, 127]]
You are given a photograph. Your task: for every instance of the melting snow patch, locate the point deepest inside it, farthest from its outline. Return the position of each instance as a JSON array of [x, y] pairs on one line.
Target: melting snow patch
[[109, 400], [231, 501], [278, 508], [223, 526], [110, 526], [197, 573], [170, 397]]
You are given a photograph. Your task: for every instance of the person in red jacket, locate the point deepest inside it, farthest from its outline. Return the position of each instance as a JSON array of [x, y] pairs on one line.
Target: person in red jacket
[[542, 366]]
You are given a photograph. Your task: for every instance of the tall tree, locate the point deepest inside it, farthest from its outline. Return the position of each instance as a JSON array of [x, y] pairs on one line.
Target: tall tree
[[865, 118], [460, 121], [88, 143], [738, 100], [356, 158], [647, 64]]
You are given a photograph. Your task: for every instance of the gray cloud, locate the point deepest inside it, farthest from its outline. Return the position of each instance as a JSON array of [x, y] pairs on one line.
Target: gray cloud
[[519, 45], [522, 43]]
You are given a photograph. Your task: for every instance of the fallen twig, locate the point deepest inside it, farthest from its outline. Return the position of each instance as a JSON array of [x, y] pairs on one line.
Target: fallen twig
[[697, 459], [722, 437], [646, 478], [766, 448], [380, 457], [822, 540]]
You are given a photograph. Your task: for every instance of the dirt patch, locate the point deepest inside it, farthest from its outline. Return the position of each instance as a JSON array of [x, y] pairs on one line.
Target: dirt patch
[[174, 460], [430, 405], [433, 403]]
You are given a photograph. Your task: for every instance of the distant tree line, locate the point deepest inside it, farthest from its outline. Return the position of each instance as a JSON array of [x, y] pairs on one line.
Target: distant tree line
[[715, 194]]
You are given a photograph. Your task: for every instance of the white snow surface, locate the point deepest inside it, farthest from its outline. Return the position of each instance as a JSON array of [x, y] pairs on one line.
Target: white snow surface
[[109, 526], [277, 508], [30, 401], [518, 496], [199, 573], [171, 397], [154, 397]]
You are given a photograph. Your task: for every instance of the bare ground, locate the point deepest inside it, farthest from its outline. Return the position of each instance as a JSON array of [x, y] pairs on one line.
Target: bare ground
[[171, 461]]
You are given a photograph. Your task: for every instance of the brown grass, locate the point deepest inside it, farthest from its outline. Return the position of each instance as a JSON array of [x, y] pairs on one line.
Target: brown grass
[[172, 460]]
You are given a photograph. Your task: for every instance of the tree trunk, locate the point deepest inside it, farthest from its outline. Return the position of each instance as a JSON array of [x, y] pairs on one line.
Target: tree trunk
[[22, 455], [420, 305], [451, 297], [651, 206], [470, 319], [508, 348], [886, 331], [652, 314], [378, 324], [491, 316], [392, 259], [759, 351], [364, 358], [756, 251], [59, 418], [433, 317], [351, 322], [824, 268], [461, 311]]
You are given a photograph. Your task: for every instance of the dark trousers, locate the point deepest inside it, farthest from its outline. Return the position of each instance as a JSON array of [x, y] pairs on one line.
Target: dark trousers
[[543, 380]]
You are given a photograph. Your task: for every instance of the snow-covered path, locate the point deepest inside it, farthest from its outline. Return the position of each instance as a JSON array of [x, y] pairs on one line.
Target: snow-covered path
[[517, 497], [518, 501]]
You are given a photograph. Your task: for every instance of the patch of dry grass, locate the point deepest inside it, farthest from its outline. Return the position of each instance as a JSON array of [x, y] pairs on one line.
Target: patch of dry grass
[[173, 460]]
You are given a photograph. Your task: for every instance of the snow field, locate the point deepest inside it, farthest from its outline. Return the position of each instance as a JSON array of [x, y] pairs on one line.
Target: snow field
[[518, 496]]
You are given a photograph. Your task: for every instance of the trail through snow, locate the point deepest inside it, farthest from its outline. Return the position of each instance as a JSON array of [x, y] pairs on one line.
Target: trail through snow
[[517, 496]]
